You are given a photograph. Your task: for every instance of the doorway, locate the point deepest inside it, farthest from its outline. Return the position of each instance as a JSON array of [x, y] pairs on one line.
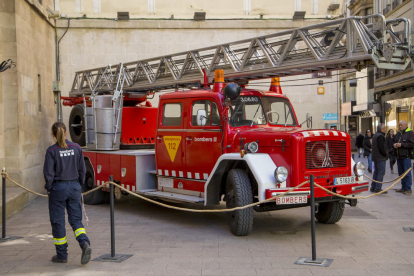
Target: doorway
[[403, 114]]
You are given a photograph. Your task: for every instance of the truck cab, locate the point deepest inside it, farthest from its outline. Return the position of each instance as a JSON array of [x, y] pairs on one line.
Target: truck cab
[[247, 150]]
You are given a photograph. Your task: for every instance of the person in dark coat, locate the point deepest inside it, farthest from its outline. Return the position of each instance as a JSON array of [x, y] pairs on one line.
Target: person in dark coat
[[390, 145], [403, 145], [64, 173], [359, 143], [379, 157], [367, 148]]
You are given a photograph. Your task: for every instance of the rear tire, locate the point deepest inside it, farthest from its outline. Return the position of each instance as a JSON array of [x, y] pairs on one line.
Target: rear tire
[[77, 125], [330, 212], [95, 197], [239, 193]]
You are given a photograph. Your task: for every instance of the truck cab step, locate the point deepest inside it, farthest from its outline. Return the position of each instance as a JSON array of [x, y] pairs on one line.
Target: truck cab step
[[171, 196]]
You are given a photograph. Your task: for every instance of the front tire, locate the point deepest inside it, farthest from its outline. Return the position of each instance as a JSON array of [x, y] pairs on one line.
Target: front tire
[[330, 212], [95, 197], [239, 193]]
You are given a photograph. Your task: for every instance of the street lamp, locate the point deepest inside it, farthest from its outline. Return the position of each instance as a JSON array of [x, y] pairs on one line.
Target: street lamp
[[6, 65]]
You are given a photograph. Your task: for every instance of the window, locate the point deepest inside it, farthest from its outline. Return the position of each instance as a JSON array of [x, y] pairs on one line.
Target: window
[[213, 116], [39, 92], [278, 111], [172, 114], [246, 110]]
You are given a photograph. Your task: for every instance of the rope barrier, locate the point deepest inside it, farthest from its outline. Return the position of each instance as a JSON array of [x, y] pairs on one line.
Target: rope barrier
[[382, 182], [5, 175], [368, 196]]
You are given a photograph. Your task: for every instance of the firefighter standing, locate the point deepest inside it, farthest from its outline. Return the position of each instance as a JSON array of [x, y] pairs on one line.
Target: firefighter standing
[[64, 172]]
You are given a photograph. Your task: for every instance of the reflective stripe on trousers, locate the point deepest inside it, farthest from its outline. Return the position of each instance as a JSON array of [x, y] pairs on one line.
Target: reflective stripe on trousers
[[79, 231], [59, 241]]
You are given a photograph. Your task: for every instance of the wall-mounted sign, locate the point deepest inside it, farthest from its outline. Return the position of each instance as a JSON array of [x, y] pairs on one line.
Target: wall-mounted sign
[[321, 90], [322, 74], [347, 109], [330, 116], [368, 113]]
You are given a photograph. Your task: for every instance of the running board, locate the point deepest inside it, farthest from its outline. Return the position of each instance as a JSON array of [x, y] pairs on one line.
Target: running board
[[171, 196]]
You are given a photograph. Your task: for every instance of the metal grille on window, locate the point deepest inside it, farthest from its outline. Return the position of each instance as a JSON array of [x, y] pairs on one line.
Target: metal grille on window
[[325, 154]]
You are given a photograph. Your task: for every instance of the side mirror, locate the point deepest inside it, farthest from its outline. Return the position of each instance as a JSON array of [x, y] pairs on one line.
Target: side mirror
[[308, 121], [201, 117]]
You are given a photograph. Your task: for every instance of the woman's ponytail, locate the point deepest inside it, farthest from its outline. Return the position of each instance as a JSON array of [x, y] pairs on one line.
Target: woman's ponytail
[[58, 131]]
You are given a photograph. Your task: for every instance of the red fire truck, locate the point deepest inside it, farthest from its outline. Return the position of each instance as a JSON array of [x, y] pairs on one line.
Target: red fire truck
[[213, 138]]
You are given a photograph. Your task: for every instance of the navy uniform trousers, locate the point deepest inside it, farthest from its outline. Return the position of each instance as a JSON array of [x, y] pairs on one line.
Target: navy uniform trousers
[[66, 194]]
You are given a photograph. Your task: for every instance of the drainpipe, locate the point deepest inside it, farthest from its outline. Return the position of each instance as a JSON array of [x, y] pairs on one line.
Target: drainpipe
[[57, 92], [59, 103]]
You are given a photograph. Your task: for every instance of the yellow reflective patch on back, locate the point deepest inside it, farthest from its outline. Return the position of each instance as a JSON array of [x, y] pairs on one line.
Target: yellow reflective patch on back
[[172, 143]]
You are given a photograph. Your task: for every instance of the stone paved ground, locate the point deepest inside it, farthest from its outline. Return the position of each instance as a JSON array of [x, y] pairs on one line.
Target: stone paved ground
[[368, 240]]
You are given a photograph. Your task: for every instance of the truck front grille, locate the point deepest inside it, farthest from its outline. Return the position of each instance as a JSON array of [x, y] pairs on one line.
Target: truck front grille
[[325, 154]]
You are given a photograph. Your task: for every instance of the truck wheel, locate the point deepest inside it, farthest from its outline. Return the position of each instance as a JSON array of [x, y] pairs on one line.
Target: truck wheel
[[239, 193], [330, 212], [77, 126], [95, 197]]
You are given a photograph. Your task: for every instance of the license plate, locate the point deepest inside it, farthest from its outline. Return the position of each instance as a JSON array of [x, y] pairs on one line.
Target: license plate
[[344, 180], [165, 182], [299, 199]]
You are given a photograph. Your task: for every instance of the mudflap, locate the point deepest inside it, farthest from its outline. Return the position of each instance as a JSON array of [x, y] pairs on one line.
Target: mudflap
[[352, 202]]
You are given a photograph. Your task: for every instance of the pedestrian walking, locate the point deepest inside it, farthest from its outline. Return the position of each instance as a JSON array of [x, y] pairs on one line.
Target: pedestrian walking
[[379, 157], [390, 145], [359, 143], [404, 145], [64, 172], [367, 148]]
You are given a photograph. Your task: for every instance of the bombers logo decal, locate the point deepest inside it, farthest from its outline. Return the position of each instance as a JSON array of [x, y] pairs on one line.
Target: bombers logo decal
[[66, 153], [204, 139], [172, 143]]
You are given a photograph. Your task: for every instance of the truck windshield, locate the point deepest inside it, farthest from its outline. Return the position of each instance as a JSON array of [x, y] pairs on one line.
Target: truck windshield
[[278, 111], [246, 110]]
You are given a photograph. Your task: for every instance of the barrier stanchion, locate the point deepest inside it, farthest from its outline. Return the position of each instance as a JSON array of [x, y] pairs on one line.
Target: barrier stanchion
[[116, 258], [4, 238], [3, 208], [111, 202], [313, 261]]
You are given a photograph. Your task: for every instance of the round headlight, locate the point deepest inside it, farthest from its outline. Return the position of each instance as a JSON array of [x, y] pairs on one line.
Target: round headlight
[[252, 147], [281, 174], [359, 169]]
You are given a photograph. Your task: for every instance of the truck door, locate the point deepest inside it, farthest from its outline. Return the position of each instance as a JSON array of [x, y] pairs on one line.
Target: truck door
[[170, 141], [202, 142]]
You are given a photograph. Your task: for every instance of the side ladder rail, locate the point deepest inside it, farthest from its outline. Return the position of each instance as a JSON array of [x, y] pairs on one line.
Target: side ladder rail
[[118, 96], [333, 45]]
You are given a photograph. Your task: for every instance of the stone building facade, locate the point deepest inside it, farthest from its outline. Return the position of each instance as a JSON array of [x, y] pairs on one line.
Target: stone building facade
[[394, 90], [27, 107]]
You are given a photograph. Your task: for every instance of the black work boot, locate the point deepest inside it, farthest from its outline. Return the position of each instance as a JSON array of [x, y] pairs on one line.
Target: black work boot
[[86, 253], [56, 259]]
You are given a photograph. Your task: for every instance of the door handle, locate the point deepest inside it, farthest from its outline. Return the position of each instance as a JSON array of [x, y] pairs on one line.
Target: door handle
[[159, 138], [189, 139]]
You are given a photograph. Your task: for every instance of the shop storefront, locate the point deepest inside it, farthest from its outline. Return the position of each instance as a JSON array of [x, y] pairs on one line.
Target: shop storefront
[[400, 109]]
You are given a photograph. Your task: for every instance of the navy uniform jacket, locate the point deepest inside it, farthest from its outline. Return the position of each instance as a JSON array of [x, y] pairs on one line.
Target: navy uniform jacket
[[64, 164]]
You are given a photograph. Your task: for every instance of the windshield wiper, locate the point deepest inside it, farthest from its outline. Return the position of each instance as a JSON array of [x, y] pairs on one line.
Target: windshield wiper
[[287, 117], [255, 115]]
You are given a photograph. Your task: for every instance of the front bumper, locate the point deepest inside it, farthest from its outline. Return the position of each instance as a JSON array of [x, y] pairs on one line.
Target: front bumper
[[344, 189]]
